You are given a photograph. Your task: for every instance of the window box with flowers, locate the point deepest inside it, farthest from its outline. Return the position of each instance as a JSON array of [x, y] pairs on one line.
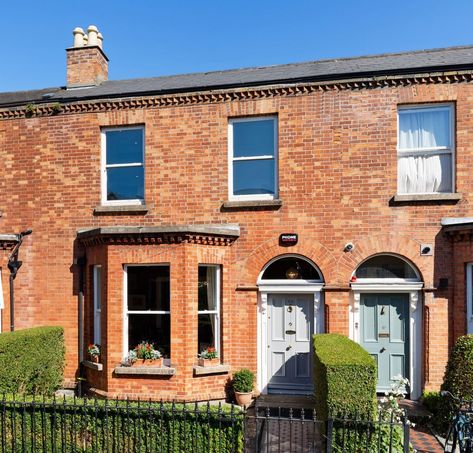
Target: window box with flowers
[[209, 357], [145, 354]]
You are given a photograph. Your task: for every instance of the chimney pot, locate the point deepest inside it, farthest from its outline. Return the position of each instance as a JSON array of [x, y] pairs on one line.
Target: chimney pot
[[78, 37], [100, 40], [93, 32]]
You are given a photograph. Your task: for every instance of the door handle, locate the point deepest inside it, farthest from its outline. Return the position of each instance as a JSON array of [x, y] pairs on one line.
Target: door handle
[[382, 350], [289, 347]]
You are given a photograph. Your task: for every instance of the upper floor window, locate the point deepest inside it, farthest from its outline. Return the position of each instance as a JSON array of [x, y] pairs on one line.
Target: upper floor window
[[253, 158], [123, 165], [425, 150]]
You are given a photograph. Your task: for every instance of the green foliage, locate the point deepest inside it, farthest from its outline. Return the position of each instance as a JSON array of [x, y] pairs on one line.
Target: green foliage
[[82, 425], [243, 381], [345, 378], [458, 379], [431, 400], [32, 360]]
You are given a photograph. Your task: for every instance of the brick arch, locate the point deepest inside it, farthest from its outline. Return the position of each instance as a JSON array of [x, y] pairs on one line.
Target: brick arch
[[365, 247], [251, 267]]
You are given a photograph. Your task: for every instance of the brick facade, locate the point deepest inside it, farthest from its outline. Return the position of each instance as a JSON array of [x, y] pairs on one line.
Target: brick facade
[[337, 177]]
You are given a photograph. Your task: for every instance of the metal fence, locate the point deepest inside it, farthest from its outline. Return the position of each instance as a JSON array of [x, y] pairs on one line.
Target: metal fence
[[103, 426]]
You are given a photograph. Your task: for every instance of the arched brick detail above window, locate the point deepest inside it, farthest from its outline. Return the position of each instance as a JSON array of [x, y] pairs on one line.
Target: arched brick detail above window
[[251, 267], [396, 244]]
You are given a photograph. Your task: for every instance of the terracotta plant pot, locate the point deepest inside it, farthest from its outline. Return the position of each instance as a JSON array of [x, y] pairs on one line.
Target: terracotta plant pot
[[148, 362], [209, 362], [243, 399]]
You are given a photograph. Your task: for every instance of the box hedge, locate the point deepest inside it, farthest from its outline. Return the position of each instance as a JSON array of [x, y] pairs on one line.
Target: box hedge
[[32, 360], [345, 378]]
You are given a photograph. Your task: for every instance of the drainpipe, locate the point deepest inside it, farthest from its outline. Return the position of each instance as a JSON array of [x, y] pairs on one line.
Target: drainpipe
[[14, 266], [81, 262]]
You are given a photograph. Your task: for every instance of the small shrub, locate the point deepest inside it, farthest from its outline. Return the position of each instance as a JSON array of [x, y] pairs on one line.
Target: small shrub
[[431, 400], [32, 360], [345, 378], [243, 381]]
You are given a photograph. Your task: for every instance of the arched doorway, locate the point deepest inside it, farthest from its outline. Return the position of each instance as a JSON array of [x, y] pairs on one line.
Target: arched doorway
[[386, 318], [290, 311]]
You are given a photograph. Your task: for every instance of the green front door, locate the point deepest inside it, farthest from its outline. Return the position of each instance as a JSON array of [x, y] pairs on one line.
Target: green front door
[[385, 334]]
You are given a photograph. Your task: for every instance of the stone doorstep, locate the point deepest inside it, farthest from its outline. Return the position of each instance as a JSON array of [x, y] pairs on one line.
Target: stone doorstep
[[144, 371]]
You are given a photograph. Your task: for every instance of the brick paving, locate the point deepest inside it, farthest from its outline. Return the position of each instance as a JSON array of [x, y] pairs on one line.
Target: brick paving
[[425, 442]]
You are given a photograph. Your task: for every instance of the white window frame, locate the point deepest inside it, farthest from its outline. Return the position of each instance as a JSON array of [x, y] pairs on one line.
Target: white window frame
[[216, 312], [126, 312], [232, 159], [97, 278], [434, 150], [105, 166], [469, 298]]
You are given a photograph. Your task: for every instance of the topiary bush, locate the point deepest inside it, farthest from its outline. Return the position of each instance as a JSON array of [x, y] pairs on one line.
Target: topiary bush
[[345, 378], [32, 360], [458, 379], [243, 381]]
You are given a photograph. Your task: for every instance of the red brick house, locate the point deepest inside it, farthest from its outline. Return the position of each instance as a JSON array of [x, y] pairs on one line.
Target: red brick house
[[243, 210]]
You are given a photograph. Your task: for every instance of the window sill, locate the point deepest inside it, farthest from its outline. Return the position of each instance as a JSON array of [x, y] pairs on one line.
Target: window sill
[[144, 371], [207, 370], [260, 205], [433, 197], [121, 209], [93, 365]]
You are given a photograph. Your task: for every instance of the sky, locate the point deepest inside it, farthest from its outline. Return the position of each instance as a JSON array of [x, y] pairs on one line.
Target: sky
[[149, 38]]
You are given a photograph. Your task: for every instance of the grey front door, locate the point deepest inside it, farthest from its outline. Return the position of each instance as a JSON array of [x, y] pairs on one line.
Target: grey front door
[[290, 329], [385, 334]]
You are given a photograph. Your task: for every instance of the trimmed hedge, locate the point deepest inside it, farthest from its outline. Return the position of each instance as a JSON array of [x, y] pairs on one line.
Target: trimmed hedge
[[32, 360], [458, 379], [345, 378], [88, 425]]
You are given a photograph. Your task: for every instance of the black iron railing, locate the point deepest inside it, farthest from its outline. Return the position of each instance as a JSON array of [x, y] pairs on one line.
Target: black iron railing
[[105, 426]]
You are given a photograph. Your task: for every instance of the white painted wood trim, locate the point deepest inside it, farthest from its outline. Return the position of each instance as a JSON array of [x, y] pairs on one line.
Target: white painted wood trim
[[415, 323]]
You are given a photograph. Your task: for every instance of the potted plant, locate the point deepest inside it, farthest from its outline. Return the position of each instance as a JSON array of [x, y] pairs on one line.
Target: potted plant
[[242, 382], [209, 357], [145, 354], [94, 352]]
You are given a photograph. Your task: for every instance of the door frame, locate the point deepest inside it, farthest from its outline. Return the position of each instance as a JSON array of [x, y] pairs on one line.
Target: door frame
[[265, 289], [415, 323]]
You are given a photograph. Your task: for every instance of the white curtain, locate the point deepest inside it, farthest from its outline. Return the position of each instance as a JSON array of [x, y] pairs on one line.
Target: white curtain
[[429, 171], [211, 295]]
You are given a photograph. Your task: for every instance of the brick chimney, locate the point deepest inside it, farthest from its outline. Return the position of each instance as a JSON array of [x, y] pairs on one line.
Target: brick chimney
[[87, 64]]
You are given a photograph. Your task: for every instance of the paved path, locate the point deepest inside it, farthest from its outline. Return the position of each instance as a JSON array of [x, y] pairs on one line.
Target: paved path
[[425, 442]]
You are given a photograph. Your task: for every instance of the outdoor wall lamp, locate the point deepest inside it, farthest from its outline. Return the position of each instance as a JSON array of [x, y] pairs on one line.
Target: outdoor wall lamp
[[14, 265]]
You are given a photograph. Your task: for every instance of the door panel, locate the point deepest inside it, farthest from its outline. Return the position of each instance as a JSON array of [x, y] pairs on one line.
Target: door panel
[[290, 328], [385, 334]]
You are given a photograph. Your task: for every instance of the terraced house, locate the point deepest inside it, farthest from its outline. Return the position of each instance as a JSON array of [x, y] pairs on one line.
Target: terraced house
[[243, 210]]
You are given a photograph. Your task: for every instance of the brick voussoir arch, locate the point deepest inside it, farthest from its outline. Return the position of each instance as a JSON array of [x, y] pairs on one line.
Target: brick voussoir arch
[[251, 267], [396, 244]]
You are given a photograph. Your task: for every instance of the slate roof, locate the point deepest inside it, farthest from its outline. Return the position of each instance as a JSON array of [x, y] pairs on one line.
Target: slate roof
[[423, 61]]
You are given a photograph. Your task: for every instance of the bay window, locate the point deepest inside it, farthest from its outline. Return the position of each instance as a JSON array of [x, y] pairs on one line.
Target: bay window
[[209, 308], [147, 307], [425, 149]]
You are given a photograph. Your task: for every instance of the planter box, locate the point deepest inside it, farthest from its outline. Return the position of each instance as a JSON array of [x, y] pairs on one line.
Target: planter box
[[209, 362], [148, 362]]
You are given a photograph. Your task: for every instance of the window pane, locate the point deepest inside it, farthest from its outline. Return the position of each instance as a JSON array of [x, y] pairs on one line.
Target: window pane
[[124, 146], [385, 266], [207, 332], [253, 177], [253, 138], [97, 287], [424, 128], [125, 183], [291, 268], [208, 288], [148, 288], [153, 328], [429, 173]]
